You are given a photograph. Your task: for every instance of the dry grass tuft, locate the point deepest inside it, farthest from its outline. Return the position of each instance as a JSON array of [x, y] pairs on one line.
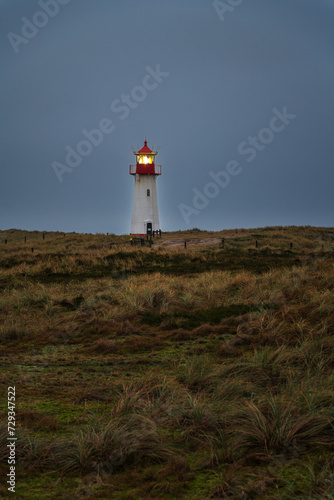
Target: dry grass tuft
[[275, 427]]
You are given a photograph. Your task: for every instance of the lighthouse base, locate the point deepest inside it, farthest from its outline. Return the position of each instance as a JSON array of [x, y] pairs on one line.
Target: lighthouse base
[[155, 234]]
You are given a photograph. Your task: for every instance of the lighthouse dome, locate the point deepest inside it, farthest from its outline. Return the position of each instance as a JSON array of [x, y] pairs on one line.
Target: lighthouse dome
[[145, 150]]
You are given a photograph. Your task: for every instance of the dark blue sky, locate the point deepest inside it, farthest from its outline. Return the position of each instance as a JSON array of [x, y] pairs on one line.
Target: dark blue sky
[[224, 70]]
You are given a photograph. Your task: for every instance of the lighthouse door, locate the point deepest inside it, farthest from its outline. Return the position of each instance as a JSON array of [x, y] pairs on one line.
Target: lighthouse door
[[149, 228]]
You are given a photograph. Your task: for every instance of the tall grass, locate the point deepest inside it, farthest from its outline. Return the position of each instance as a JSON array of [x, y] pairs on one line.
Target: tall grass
[[198, 373], [276, 426], [99, 447]]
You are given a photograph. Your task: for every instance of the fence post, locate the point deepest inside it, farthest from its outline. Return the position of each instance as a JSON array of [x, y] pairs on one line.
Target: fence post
[[223, 242]]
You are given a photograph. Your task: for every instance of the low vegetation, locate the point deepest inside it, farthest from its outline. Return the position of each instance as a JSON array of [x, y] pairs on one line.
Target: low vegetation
[[169, 372]]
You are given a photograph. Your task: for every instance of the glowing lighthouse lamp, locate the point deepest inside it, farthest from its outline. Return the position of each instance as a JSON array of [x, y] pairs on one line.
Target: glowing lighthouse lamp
[[145, 213]]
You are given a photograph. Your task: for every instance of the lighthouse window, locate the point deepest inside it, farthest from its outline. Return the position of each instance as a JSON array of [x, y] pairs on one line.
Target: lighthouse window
[[145, 160], [148, 192]]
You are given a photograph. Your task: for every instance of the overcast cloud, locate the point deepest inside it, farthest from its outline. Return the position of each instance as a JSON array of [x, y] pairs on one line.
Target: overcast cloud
[[203, 82]]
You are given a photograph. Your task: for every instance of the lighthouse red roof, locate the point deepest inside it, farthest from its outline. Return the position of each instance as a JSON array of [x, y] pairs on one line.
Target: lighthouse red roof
[[145, 150]]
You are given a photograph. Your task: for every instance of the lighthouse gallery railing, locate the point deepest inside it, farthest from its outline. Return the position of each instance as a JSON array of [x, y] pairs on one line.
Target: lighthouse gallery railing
[[134, 170]]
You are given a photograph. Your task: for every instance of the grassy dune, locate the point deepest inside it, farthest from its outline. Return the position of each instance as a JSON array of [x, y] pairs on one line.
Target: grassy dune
[[165, 372]]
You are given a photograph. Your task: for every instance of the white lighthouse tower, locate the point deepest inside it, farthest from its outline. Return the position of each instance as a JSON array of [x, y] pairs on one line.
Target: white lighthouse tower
[[145, 213]]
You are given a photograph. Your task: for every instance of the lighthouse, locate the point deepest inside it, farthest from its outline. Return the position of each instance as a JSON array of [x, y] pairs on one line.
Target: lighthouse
[[145, 213]]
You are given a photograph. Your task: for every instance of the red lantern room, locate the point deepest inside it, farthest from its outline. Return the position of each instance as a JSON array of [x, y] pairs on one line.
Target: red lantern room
[[145, 162]]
